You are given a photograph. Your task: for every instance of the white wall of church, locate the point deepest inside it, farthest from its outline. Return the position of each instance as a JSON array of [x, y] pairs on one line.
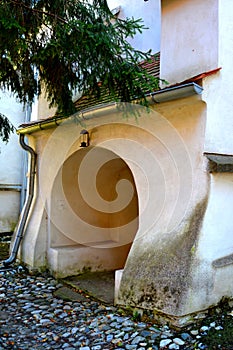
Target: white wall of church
[[11, 162], [149, 12], [219, 87], [189, 38]]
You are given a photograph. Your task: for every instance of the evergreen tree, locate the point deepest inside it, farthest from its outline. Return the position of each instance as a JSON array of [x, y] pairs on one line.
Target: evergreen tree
[[64, 46]]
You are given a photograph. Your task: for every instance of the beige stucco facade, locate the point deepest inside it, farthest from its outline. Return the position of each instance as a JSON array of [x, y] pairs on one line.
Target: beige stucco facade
[[151, 195], [138, 193]]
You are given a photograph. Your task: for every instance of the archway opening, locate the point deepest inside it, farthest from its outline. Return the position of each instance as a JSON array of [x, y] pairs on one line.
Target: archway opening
[[94, 212]]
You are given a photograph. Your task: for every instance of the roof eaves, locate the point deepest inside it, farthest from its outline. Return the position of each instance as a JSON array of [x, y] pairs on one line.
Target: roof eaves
[[167, 94], [90, 107]]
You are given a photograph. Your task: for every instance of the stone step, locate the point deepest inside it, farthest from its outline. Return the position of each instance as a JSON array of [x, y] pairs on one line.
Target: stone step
[[99, 244], [66, 261]]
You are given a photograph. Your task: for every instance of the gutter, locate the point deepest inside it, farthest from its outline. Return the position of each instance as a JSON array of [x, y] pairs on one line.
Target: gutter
[[163, 95], [177, 92], [23, 194], [24, 215]]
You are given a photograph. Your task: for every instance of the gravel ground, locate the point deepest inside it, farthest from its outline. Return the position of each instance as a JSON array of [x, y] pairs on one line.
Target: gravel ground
[[33, 316]]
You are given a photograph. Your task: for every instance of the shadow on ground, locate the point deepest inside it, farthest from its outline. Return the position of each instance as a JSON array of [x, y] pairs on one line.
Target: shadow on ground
[[99, 285]]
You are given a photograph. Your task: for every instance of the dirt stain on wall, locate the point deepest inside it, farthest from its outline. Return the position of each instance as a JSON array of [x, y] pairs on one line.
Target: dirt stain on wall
[[160, 282]]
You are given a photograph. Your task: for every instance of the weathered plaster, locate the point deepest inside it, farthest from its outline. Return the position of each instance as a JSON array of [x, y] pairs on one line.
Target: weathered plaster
[[163, 279], [210, 281], [163, 151]]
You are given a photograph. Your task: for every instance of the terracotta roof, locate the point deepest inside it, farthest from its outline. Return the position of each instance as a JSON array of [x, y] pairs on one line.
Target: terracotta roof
[[87, 101], [152, 67], [201, 76]]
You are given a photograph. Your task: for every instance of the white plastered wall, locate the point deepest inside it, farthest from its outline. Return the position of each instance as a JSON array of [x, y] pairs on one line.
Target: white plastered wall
[[11, 163], [212, 276], [189, 38], [218, 89], [150, 13]]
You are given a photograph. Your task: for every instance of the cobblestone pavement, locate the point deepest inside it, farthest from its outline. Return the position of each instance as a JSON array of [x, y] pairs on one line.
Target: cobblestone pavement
[[34, 316]]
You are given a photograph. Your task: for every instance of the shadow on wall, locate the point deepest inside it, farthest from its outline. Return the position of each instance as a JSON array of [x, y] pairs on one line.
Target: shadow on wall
[[94, 204]]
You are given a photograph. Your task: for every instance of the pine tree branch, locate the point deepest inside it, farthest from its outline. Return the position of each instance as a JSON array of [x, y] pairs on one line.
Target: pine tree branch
[[42, 12]]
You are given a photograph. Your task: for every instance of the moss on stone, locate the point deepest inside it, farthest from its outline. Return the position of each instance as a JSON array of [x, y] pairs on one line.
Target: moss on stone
[[162, 275]]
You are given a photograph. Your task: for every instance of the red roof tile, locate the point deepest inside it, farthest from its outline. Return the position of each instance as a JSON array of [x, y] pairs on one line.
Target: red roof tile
[[85, 101]]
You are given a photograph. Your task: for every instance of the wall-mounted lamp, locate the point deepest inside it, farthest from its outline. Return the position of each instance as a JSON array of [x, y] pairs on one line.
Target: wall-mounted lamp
[[84, 138]]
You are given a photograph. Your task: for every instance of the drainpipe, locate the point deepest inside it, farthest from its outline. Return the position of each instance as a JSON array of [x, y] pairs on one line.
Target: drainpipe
[[24, 214], [23, 194]]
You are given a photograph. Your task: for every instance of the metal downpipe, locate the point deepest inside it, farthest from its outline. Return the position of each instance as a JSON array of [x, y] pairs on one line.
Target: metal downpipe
[[24, 214]]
